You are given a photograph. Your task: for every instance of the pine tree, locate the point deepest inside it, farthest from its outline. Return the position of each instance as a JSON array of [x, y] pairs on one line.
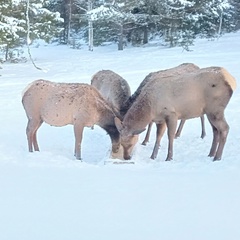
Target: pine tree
[[232, 21], [13, 23], [211, 17], [11, 27], [118, 16], [181, 21], [43, 22]]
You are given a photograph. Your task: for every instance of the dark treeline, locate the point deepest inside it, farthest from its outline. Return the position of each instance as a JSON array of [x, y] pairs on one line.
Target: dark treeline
[[95, 22]]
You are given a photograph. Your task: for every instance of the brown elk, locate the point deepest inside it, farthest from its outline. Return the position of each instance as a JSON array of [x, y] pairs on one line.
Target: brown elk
[[175, 71], [59, 104], [113, 88], [116, 91], [205, 91]]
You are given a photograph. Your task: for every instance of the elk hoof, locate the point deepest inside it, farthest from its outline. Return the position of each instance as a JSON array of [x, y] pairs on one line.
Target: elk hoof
[[127, 157], [203, 136], [78, 158], [210, 155]]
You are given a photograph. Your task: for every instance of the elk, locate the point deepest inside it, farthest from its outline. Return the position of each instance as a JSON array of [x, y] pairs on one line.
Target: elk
[[117, 92], [204, 91], [113, 88], [60, 104], [175, 71]]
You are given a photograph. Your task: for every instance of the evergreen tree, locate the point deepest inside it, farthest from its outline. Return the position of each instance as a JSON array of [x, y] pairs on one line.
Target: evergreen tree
[[119, 18], [11, 26], [177, 21], [211, 17], [235, 10], [43, 24], [62, 7], [181, 21]]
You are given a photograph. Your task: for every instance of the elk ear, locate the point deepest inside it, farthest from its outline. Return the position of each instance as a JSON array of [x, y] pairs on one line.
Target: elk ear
[[137, 132], [118, 124]]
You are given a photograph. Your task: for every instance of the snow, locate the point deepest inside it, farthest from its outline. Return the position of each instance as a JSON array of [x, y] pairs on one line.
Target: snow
[[104, 12], [49, 195]]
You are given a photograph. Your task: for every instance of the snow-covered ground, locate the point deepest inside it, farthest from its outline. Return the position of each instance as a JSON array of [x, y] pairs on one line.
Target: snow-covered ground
[[49, 195]]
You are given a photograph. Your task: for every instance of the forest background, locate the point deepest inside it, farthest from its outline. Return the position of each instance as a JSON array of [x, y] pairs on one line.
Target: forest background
[[125, 22]]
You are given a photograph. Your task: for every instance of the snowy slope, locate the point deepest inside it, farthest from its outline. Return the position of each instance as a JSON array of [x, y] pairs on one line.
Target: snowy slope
[[49, 195]]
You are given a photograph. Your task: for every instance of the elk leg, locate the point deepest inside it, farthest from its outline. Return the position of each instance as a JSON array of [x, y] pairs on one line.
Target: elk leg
[[35, 144], [160, 131], [78, 132], [31, 131], [180, 127], [215, 140], [203, 126], [171, 125], [223, 137], [147, 134], [221, 125]]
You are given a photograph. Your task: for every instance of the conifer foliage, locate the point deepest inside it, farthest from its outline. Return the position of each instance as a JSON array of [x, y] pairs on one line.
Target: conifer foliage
[[170, 22], [43, 24]]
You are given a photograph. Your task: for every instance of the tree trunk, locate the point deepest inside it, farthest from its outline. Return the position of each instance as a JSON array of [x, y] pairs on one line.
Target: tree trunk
[[69, 22], [220, 24], [90, 28], [145, 34], [6, 52], [120, 38]]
